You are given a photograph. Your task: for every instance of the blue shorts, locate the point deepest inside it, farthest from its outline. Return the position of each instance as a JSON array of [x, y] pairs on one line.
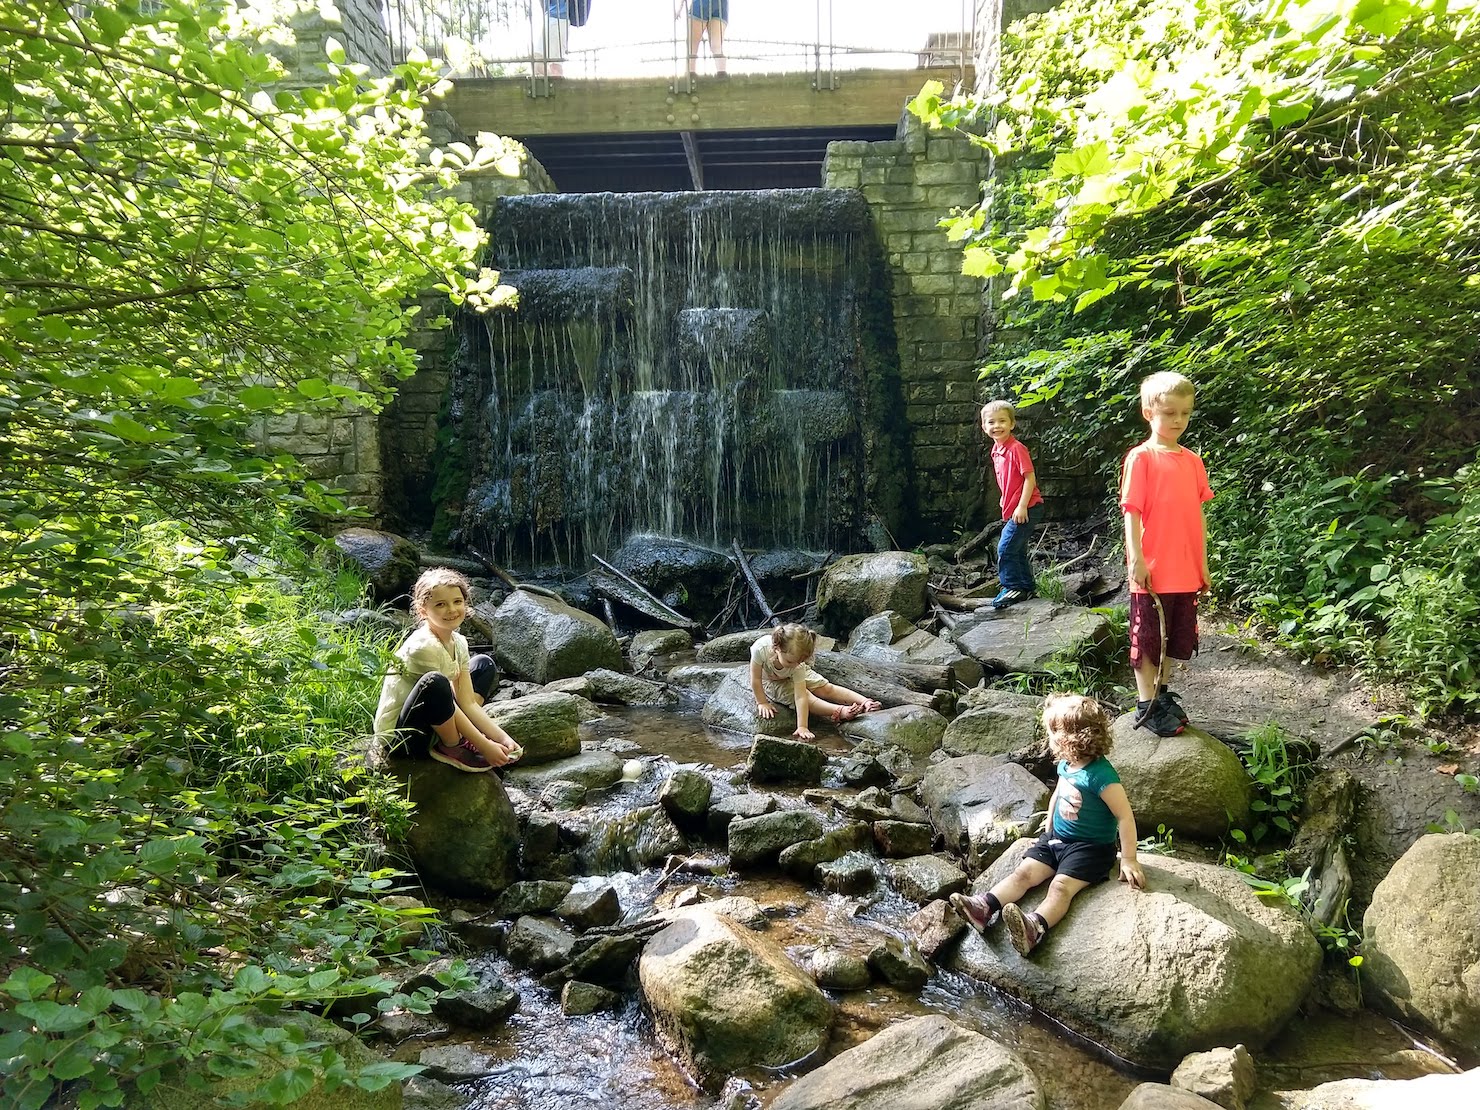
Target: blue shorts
[[705, 10]]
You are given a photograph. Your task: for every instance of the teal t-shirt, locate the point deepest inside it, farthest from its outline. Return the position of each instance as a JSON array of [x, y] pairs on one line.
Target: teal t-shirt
[[1079, 811]]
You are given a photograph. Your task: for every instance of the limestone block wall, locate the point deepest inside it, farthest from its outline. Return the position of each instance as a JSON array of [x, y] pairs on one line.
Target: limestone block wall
[[357, 25], [910, 183]]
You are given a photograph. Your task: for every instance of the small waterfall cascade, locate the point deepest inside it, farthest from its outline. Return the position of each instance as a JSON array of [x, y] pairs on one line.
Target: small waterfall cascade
[[706, 365]]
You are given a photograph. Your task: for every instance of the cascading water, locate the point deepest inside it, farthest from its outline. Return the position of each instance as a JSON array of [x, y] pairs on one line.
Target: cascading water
[[710, 365]]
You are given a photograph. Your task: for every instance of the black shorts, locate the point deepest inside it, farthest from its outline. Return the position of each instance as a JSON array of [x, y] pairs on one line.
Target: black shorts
[[432, 702], [1079, 859]]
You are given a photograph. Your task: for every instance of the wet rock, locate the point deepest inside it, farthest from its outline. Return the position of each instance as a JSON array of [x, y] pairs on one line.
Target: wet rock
[[926, 878], [784, 761], [835, 969], [801, 860], [577, 998], [994, 722], [1159, 1096], [928, 1061], [470, 811], [904, 808], [595, 770], [649, 647], [704, 677], [759, 840], [980, 805], [541, 639], [1436, 1092], [856, 587], [544, 724], [912, 728], [733, 647], [1421, 938], [732, 707], [1025, 638], [456, 1063], [1191, 783], [390, 563], [422, 1092], [726, 998], [1222, 1075], [613, 688], [632, 841], [562, 794], [899, 839], [1195, 961], [485, 1006], [691, 578], [865, 770], [853, 873], [685, 795], [539, 944], [880, 629], [605, 960], [479, 930], [868, 805], [899, 965], [531, 897], [722, 812], [539, 839], [934, 926], [590, 907], [746, 911]]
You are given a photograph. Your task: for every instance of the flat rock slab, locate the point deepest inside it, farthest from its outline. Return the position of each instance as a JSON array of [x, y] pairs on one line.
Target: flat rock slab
[[1427, 1092], [1024, 638], [926, 1062], [703, 677], [913, 728], [980, 804], [994, 722], [595, 770], [1193, 962]]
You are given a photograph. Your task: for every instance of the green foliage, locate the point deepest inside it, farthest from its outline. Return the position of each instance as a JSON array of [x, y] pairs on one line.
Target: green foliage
[[1162, 842], [1452, 824], [190, 257], [1278, 776], [1279, 201], [1092, 669]]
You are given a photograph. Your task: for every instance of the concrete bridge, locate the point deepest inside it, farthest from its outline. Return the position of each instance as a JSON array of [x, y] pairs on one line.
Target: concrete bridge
[[747, 131]]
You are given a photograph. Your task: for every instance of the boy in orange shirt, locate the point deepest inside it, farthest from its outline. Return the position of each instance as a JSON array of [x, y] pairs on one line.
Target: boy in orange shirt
[[1163, 488]]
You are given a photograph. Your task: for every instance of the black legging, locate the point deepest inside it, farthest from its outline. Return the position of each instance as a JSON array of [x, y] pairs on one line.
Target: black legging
[[432, 703]]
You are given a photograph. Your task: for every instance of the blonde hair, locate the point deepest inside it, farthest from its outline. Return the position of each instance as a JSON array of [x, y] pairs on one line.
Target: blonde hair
[[1077, 727], [998, 406], [433, 577], [1166, 383], [794, 638]]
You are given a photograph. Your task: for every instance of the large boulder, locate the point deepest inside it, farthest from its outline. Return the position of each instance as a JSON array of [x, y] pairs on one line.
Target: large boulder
[[920, 646], [858, 586], [924, 1062], [732, 707], [1192, 783], [732, 647], [691, 578], [1431, 1092], [916, 729], [545, 724], [1193, 962], [993, 722], [980, 804], [704, 678], [1421, 938], [464, 835], [390, 563], [540, 639], [726, 998], [1028, 636]]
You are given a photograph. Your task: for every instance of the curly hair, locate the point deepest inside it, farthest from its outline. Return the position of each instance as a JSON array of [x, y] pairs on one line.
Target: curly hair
[[794, 639], [1077, 727], [433, 577]]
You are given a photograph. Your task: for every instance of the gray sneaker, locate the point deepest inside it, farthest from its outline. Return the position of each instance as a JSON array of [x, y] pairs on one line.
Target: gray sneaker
[[1022, 928], [976, 911], [464, 757]]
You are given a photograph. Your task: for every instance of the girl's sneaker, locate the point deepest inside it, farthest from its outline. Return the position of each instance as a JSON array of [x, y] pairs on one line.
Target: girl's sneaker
[[1022, 927], [978, 914], [464, 757]]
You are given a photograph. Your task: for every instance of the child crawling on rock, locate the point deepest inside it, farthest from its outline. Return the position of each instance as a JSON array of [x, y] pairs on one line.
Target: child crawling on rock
[[780, 671], [431, 695], [1087, 813]]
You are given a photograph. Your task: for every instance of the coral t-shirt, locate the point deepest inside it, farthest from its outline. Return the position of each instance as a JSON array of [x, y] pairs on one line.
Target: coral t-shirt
[[1168, 489], [1012, 465]]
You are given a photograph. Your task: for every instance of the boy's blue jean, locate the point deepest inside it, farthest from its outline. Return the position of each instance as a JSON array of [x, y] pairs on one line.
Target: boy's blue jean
[[1013, 571]]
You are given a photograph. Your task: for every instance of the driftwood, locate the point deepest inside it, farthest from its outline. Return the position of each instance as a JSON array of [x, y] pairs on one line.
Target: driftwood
[[980, 538], [611, 618], [755, 587], [1088, 551], [509, 580], [1326, 821], [617, 586], [958, 602]]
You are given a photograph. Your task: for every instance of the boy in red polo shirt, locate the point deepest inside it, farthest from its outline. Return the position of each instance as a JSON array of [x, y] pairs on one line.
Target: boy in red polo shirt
[[1163, 488], [1021, 504]]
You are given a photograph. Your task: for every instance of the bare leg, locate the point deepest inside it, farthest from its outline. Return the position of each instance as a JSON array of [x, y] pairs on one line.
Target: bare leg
[[696, 32], [820, 708], [848, 697], [716, 30], [1025, 877], [1146, 680], [1060, 893]]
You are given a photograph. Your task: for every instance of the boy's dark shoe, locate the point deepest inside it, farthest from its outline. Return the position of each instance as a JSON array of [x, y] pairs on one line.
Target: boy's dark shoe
[[1157, 718], [464, 757], [1022, 928], [1010, 597], [978, 914], [1167, 699]]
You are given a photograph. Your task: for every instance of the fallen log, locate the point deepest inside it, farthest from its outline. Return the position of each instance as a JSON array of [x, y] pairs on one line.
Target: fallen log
[[755, 587], [890, 683], [509, 580], [980, 538], [617, 586], [958, 602]]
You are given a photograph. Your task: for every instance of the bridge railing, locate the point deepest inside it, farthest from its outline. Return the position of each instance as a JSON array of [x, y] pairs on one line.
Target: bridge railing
[[516, 38]]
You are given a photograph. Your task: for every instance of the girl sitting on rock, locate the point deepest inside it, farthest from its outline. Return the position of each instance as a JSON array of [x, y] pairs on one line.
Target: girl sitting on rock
[[780, 671], [1087, 813], [428, 701]]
